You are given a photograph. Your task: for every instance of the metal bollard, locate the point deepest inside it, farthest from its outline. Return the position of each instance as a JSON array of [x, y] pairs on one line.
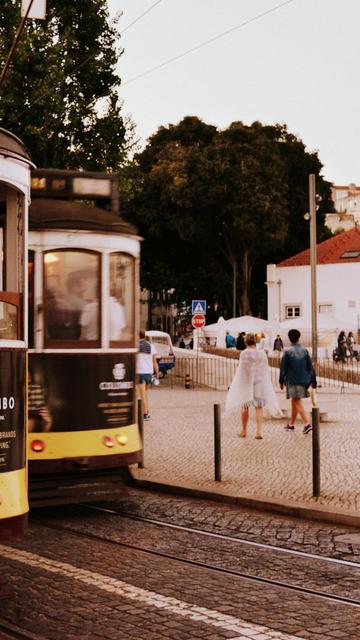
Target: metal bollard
[[315, 451], [187, 381], [141, 430], [217, 442]]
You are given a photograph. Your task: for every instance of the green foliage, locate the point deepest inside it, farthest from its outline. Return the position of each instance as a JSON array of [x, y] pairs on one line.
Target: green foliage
[[60, 96], [216, 206]]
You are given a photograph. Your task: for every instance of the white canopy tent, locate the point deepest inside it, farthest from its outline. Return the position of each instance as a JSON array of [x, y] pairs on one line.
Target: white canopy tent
[[328, 328], [249, 324]]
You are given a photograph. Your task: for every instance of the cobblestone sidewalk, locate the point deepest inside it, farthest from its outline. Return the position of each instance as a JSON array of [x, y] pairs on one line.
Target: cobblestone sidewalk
[[178, 445]]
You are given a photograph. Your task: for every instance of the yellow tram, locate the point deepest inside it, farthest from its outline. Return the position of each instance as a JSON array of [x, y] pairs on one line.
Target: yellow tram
[[83, 297], [14, 201]]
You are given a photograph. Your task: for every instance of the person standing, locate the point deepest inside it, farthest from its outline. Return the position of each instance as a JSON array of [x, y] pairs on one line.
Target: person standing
[[251, 387], [342, 345], [278, 344], [146, 367], [350, 343], [297, 374], [240, 342], [229, 341]]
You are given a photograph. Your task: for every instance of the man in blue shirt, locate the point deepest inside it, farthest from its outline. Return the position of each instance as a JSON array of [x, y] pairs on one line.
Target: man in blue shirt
[[297, 373], [229, 341]]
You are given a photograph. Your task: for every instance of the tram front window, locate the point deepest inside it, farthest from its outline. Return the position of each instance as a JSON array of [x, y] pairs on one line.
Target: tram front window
[[121, 300], [72, 306]]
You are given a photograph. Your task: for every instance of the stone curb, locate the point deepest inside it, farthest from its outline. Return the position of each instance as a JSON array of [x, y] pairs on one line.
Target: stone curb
[[297, 510]]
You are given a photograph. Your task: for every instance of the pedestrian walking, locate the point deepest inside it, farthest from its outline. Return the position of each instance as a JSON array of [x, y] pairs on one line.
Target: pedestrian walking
[[251, 387], [278, 344], [297, 374], [146, 367]]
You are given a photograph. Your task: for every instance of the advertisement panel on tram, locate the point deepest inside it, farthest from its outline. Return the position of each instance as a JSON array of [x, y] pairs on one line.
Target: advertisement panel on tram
[[14, 201]]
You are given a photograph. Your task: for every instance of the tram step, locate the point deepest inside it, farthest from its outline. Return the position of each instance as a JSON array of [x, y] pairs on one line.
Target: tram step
[[75, 488]]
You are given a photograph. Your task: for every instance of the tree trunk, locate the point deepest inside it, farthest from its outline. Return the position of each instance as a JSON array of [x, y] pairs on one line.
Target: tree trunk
[[244, 284]]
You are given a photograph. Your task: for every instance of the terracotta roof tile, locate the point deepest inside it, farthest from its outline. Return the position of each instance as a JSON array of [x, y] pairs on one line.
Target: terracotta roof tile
[[329, 251]]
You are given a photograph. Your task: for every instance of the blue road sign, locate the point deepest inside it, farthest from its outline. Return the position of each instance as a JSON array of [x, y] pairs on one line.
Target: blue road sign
[[198, 306]]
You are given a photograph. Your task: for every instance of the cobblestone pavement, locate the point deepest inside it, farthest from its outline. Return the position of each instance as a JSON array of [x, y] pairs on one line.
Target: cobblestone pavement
[[307, 570], [330, 540], [179, 450], [84, 588]]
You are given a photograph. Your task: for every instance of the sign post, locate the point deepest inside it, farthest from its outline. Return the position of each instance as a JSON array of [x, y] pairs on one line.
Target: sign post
[[198, 321]]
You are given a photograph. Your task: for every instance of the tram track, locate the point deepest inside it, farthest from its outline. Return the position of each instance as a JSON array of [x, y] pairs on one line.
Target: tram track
[[246, 576], [10, 631], [221, 536]]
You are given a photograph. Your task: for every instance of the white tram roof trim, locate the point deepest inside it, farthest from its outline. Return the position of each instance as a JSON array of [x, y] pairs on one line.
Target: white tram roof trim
[[55, 240], [15, 163]]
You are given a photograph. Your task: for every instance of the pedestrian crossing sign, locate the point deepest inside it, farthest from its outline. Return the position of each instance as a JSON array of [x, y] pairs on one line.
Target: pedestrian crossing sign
[[198, 306]]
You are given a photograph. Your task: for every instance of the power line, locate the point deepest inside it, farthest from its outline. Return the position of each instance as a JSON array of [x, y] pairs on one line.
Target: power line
[[84, 62], [141, 16], [15, 43], [206, 42]]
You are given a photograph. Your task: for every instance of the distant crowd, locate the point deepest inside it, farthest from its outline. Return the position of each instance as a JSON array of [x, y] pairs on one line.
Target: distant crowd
[[240, 345]]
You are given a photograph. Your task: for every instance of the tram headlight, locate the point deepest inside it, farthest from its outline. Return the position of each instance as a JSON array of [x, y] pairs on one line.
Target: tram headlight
[[123, 440], [37, 446], [108, 442]]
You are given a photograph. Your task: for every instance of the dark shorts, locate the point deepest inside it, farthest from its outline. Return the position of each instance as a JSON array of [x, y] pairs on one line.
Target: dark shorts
[[296, 391], [144, 377]]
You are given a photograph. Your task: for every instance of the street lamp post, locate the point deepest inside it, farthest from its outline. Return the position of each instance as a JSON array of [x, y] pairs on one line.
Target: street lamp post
[[313, 261]]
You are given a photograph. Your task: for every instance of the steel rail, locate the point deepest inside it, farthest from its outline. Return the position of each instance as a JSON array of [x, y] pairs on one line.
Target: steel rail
[[221, 536], [203, 565], [12, 632]]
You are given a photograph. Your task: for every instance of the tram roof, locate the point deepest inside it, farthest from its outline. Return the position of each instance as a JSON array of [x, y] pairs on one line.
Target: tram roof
[[11, 146], [65, 214]]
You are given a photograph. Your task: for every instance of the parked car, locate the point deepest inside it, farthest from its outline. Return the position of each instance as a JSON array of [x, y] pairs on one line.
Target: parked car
[[164, 349]]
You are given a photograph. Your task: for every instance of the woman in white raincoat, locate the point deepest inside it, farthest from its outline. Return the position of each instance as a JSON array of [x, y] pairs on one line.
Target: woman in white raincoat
[[252, 387]]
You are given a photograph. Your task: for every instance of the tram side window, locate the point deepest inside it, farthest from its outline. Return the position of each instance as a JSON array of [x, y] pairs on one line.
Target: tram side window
[[121, 301], [31, 262], [9, 317], [72, 304]]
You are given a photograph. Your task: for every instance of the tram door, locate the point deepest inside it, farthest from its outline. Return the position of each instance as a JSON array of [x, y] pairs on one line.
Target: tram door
[[14, 196]]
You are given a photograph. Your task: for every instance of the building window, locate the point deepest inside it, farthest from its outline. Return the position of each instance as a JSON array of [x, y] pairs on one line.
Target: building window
[[292, 311], [326, 308], [354, 253]]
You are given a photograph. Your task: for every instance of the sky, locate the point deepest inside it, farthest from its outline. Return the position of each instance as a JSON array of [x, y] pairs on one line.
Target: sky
[[298, 64]]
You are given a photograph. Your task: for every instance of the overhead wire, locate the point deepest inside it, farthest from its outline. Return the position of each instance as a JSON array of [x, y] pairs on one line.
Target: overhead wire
[[206, 42], [81, 64], [141, 16], [178, 56]]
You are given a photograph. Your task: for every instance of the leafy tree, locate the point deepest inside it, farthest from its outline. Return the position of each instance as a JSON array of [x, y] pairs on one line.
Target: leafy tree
[[215, 205], [60, 95]]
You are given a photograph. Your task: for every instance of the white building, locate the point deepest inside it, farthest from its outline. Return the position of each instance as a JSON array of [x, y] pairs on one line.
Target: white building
[[347, 205], [338, 282]]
